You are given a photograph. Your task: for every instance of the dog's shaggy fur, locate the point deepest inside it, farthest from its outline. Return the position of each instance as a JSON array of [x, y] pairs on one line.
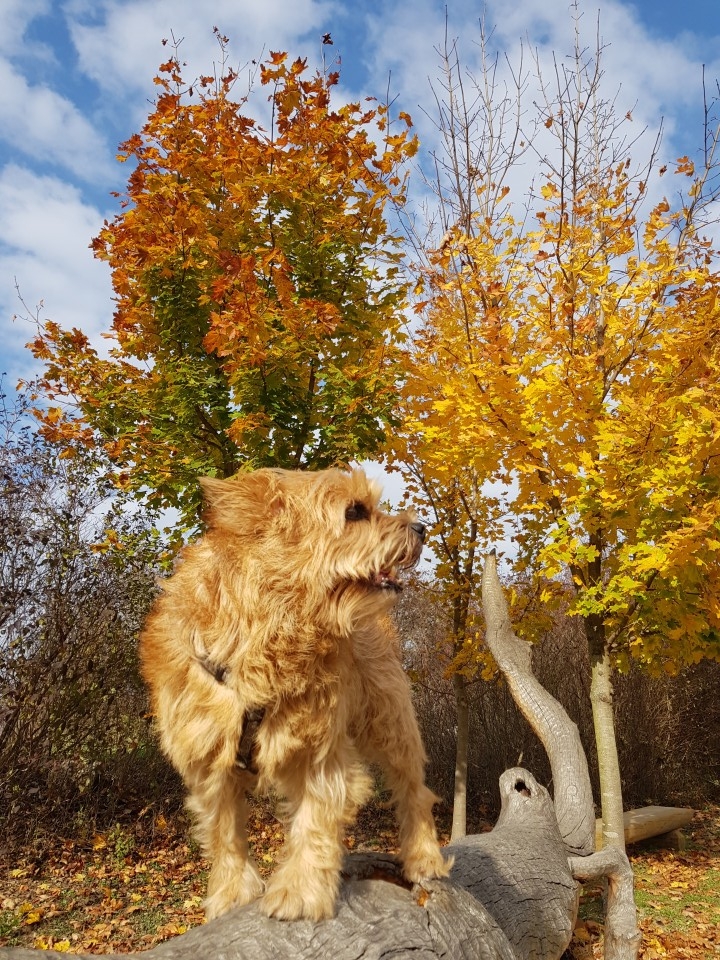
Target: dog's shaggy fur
[[281, 607]]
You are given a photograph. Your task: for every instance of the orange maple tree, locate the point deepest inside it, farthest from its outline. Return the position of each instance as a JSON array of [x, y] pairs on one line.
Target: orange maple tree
[[258, 290]]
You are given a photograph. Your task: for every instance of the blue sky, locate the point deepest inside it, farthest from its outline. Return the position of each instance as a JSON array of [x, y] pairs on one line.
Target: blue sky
[[76, 78]]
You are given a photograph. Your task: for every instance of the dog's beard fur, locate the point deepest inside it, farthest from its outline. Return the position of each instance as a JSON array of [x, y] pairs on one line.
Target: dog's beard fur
[[282, 606]]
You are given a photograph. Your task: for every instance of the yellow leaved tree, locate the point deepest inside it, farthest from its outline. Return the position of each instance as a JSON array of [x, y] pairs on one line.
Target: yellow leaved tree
[[564, 383]]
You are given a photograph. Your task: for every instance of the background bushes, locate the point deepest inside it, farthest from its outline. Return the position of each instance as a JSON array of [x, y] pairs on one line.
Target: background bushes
[[74, 732]]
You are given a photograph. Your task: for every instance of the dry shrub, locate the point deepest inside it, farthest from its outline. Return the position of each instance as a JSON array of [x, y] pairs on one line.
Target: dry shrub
[[74, 738]]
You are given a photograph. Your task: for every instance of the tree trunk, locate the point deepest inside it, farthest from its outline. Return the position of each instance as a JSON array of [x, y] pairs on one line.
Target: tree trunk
[[459, 817], [621, 934], [601, 698]]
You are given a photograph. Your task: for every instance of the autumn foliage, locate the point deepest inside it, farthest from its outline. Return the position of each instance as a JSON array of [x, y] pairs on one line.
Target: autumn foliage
[[561, 387], [257, 288], [562, 390], [576, 366]]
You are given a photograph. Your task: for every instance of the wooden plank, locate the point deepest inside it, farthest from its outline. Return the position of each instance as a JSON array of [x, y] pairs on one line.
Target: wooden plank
[[646, 822]]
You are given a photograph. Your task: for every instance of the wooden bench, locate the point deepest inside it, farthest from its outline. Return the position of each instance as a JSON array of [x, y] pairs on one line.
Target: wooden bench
[[663, 823]]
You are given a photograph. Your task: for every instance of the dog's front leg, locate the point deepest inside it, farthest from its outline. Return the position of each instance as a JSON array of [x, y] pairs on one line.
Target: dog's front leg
[[322, 798], [218, 800], [388, 734]]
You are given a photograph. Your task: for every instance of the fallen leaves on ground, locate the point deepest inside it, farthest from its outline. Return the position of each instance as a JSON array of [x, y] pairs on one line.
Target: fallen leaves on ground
[[136, 885], [677, 894], [143, 882]]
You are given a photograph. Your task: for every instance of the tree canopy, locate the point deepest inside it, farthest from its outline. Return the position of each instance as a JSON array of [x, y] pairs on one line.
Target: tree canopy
[[258, 293], [570, 358], [562, 387]]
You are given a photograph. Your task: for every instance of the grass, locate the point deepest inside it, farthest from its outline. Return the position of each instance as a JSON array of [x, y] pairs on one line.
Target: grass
[[677, 894], [678, 907]]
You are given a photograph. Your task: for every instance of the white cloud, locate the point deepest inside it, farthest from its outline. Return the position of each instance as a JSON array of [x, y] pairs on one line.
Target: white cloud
[[47, 229], [16, 15], [47, 127], [119, 44], [46, 223], [657, 79], [662, 75]]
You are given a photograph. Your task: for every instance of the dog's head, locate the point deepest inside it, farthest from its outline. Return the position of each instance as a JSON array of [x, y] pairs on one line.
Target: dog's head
[[324, 528]]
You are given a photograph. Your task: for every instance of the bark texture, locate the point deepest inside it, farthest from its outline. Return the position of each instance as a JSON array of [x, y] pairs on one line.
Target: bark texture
[[459, 817], [519, 871], [512, 893], [601, 698], [574, 807], [376, 920], [622, 937]]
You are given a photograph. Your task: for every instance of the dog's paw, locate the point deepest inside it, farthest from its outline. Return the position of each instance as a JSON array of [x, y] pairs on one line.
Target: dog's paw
[[428, 865], [236, 890], [298, 899]]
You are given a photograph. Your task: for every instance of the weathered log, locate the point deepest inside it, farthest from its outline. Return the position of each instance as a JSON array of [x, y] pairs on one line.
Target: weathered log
[[376, 920], [519, 871], [647, 822], [512, 894]]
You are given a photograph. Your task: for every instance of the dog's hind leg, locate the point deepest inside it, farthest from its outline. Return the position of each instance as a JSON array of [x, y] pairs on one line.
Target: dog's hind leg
[[218, 800], [321, 801]]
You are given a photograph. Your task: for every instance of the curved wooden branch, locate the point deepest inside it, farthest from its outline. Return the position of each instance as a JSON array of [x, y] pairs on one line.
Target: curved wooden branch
[[572, 789], [571, 780], [622, 937]]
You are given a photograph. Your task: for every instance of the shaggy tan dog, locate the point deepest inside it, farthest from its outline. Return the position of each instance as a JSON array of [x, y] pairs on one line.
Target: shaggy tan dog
[[271, 665]]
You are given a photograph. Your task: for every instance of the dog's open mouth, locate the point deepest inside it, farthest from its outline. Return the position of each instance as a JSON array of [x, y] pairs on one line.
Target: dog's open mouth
[[387, 580]]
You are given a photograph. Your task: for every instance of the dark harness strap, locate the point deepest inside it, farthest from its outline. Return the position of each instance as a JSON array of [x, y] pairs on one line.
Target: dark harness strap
[[252, 718], [246, 748], [216, 670]]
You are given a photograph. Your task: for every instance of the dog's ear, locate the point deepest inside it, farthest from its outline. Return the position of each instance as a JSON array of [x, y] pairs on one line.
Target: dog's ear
[[243, 504]]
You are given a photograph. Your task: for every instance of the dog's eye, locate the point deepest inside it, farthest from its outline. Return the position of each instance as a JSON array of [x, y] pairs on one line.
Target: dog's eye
[[357, 511]]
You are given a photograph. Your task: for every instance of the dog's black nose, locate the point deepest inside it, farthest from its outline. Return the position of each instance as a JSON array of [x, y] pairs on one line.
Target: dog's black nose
[[419, 529]]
